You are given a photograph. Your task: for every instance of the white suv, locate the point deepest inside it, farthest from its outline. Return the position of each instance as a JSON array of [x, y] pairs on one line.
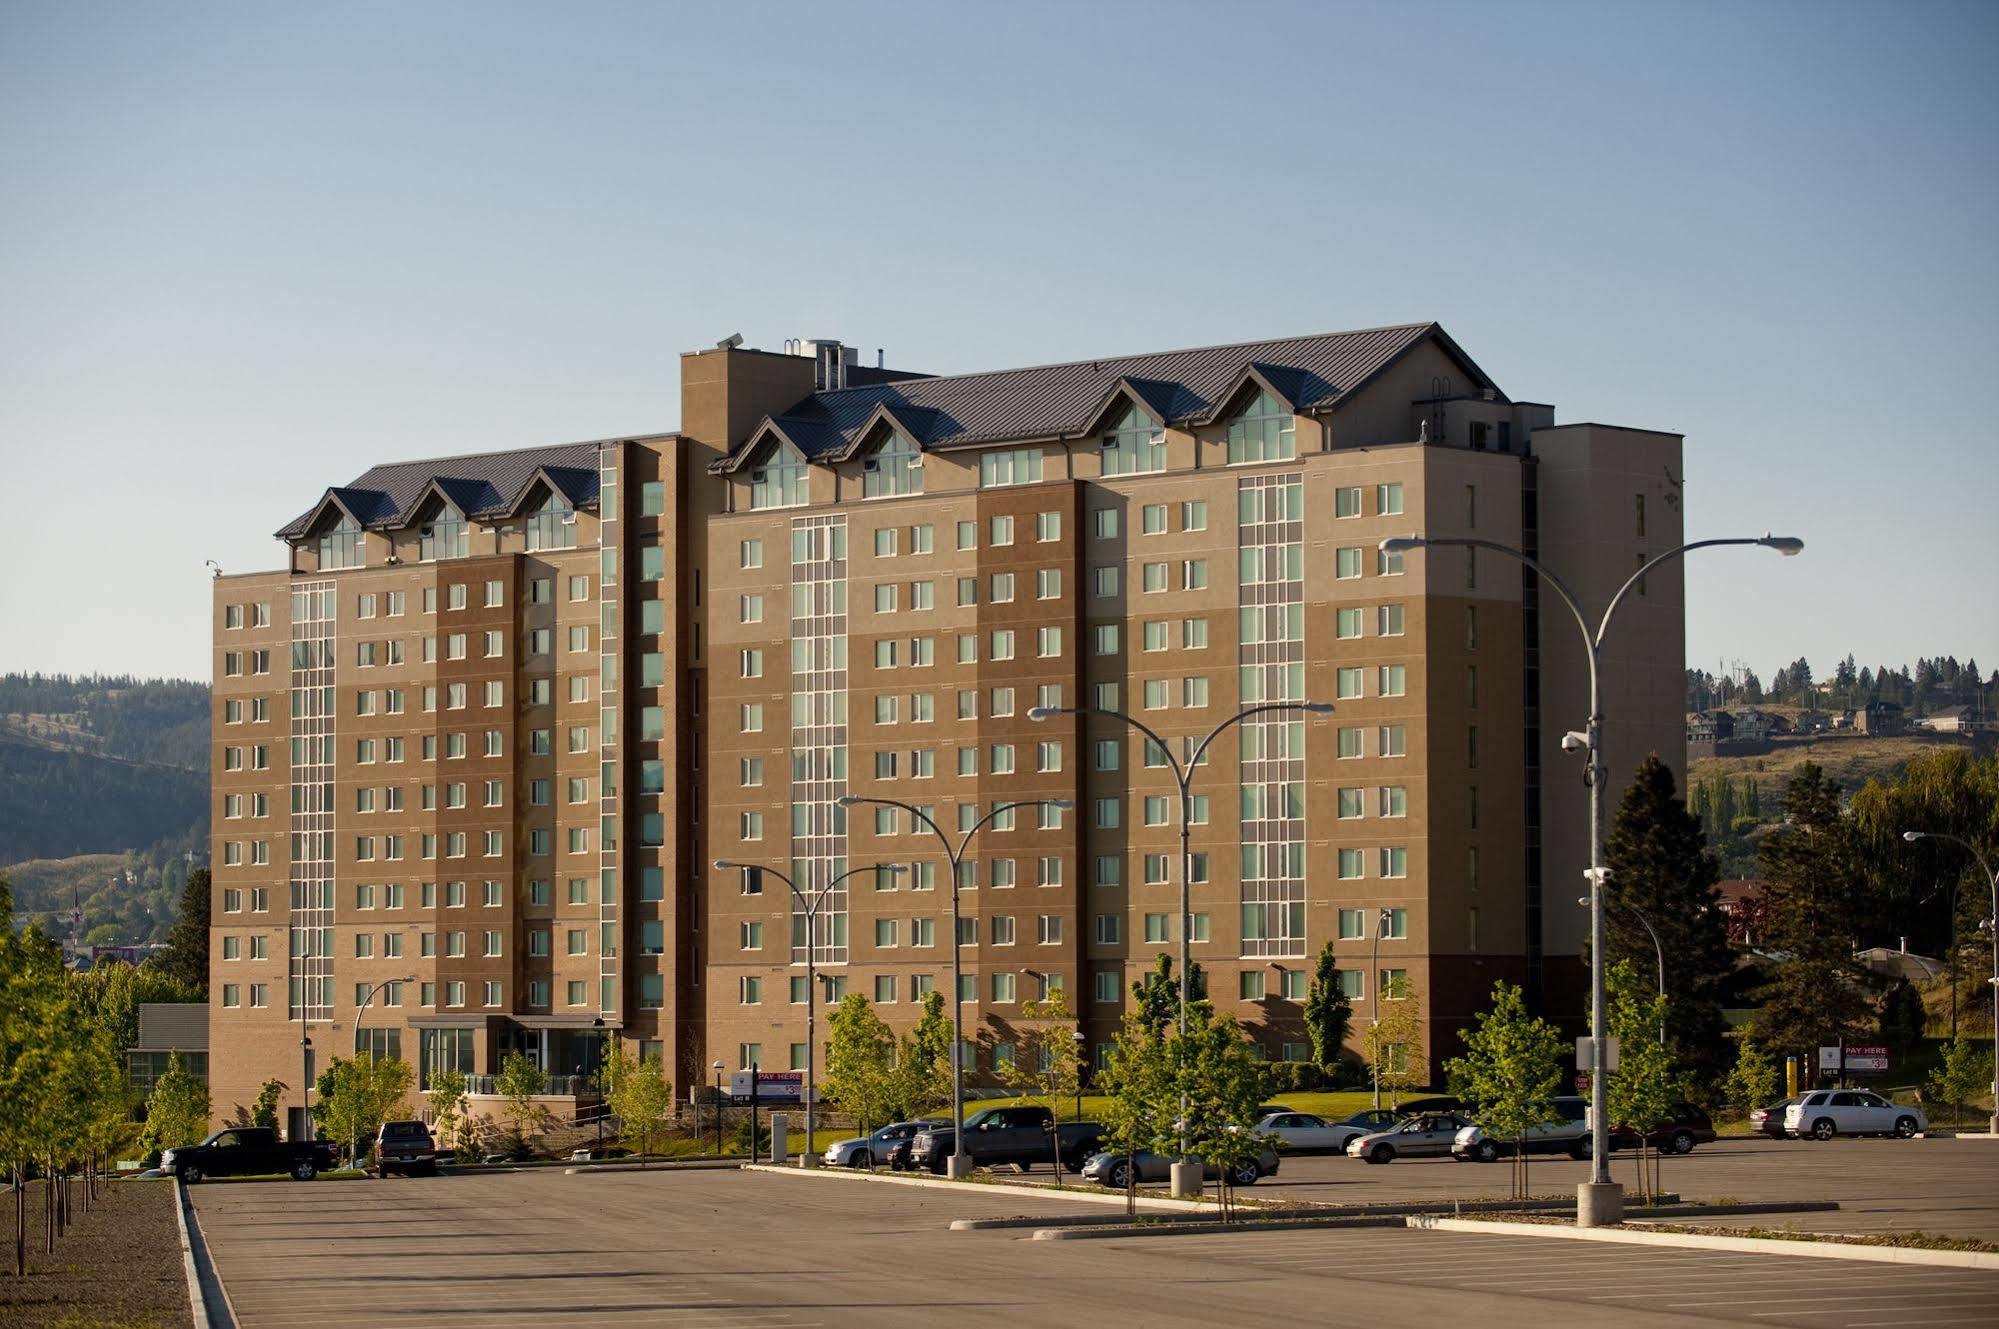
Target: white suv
[[1825, 1113]]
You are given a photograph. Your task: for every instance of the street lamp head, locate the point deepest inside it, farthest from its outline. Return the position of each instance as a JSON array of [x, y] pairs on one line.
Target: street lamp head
[[718, 1066], [849, 800], [407, 978], [1316, 707], [1913, 836], [1787, 545], [724, 865], [893, 869], [1059, 804], [1402, 544], [1043, 712]]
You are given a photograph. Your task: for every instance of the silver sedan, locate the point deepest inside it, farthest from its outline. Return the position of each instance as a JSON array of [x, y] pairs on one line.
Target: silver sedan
[[867, 1150], [1111, 1170]]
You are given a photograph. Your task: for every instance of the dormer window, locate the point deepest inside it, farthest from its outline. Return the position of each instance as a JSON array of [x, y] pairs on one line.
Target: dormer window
[[1134, 445], [779, 482], [895, 468], [1263, 430], [445, 535], [552, 525], [340, 545]]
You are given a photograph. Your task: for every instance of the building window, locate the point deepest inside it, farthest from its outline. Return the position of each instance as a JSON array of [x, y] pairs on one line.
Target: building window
[[1013, 466], [895, 468], [1134, 444], [1263, 430], [340, 546], [553, 524], [445, 536], [780, 482]]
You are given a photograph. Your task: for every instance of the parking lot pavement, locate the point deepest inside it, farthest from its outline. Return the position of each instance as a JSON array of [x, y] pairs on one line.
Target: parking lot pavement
[[756, 1251], [1945, 1186], [1583, 1283]]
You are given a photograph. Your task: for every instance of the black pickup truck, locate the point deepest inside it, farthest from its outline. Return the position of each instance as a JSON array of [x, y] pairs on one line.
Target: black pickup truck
[[1017, 1135], [248, 1151]]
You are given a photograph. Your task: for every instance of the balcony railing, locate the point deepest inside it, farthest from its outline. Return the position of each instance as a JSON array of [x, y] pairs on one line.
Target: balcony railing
[[559, 1086]]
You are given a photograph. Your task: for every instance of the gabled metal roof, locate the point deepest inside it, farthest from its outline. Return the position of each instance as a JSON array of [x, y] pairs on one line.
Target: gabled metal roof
[[484, 485], [1062, 401]]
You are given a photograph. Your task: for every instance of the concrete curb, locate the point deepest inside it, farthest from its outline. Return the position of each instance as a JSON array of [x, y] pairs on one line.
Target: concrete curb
[[1822, 1250], [709, 1165], [193, 1256], [1210, 1227], [1149, 1204], [1394, 1210]]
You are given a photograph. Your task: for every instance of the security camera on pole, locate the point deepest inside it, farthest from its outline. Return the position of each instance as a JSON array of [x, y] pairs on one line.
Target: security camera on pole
[[1599, 1200]]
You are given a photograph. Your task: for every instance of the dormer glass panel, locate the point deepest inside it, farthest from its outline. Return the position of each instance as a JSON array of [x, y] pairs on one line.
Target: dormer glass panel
[[896, 468], [1135, 444], [780, 482], [445, 535], [1263, 430], [552, 525], [340, 545]]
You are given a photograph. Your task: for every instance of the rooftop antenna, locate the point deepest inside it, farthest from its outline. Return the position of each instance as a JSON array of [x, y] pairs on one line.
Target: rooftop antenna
[[214, 568], [730, 342]]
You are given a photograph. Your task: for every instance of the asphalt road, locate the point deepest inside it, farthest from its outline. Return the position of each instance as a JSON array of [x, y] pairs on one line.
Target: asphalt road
[[770, 1252], [1946, 1186]]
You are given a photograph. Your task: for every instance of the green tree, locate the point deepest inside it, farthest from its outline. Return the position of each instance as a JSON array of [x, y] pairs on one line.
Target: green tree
[[520, 1083], [1328, 1012], [638, 1092], [1903, 1017], [1647, 1085], [860, 1062], [356, 1095], [1817, 993], [1217, 1070], [1047, 1067], [1964, 1073], [1660, 867], [186, 957], [111, 993], [923, 1061], [264, 1112], [446, 1099], [1393, 1044], [1156, 996], [1141, 1100], [1510, 1072], [177, 1112], [1755, 1080]]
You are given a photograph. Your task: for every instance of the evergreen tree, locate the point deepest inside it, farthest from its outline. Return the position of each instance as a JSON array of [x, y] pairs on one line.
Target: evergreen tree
[[186, 958], [1156, 997], [1817, 994], [1327, 1010], [1660, 867]]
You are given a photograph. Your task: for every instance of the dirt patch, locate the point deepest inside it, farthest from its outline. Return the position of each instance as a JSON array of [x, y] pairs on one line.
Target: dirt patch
[[119, 1266]]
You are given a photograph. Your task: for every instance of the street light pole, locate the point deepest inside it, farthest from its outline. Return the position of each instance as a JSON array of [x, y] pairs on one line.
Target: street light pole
[[1374, 1014], [718, 1068], [1600, 1200], [1183, 776], [366, 1002], [810, 908], [961, 1162], [1992, 926], [305, 1074]]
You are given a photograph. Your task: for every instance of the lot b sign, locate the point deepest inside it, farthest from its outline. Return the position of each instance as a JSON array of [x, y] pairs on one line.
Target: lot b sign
[[1860, 1059]]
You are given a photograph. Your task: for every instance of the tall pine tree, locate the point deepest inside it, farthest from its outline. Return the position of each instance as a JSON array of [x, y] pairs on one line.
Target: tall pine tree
[[1660, 867], [1818, 992], [186, 957]]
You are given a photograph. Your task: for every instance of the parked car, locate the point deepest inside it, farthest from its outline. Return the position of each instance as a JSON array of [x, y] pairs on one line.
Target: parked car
[[1427, 1135], [1441, 1103], [1303, 1133], [898, 1155], [1770, 1120], [405, 1146], [867, 1150], [1371, 1120], [248, 1151], [1824, 1113], [1565, 1133], [1016, 1135], [1111, 1169], [1684, 1128]]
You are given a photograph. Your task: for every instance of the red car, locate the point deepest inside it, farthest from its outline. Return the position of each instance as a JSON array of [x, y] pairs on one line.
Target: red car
[[1678, 1134]]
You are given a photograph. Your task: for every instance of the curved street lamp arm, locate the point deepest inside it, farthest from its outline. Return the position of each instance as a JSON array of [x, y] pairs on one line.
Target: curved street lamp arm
[[1654, 562], [1249, 713], [1180, 773], [965, 841], [1547, 573]]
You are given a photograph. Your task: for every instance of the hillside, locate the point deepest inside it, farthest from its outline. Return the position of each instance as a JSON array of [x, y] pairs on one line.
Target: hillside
[[103, 793], [1850, 759]]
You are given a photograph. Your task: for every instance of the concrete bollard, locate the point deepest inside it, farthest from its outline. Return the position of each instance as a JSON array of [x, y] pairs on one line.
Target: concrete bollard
[[1599, 1204], [780, 1142], [1187, 1179]]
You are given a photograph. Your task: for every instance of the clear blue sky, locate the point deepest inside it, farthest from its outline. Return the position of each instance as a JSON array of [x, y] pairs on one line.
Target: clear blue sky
[[246, 250]]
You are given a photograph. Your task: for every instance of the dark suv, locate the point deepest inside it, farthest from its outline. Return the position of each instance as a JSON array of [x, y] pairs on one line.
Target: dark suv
[[405, 1146]]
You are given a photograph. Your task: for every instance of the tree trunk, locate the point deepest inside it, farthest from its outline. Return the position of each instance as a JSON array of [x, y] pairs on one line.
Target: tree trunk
[[1130, 1185], [20, 1221]]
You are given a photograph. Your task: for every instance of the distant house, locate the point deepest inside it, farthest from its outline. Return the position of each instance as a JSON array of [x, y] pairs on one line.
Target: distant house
[[1879, 717], [1711, 727], [167, 1027], [1812, 722], [1949, 720], [1754, 726], [1744, 906]]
